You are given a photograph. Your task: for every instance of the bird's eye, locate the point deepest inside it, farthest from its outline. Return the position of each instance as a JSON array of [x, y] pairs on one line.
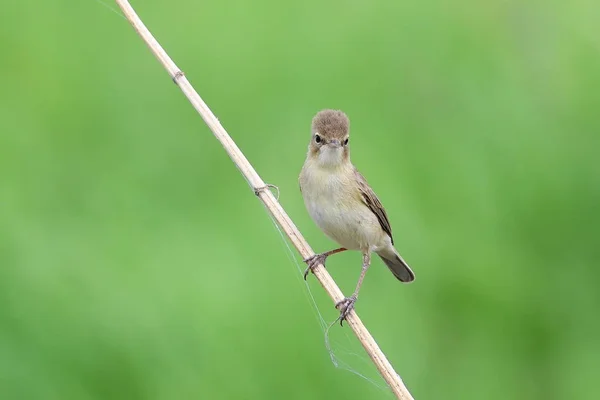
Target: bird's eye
[[346, 141], [317, 138]]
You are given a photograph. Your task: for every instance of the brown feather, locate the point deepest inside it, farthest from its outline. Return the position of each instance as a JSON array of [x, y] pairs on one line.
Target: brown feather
[[370, 199], [331, 123]]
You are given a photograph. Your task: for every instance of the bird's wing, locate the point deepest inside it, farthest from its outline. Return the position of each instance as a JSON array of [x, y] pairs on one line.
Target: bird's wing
[[370, 199]]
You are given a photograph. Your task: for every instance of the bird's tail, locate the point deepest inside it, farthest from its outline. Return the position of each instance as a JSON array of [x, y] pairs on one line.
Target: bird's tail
[[397, 265]]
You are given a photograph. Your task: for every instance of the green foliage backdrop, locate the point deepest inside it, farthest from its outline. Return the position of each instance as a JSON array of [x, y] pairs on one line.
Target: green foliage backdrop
[[135, 263]]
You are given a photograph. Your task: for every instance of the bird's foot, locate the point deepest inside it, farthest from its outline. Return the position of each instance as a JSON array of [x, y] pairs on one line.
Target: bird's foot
[[345, 306], [313, 261]]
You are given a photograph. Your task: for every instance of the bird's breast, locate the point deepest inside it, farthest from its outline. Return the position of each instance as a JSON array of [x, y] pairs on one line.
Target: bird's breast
[[333, 202]]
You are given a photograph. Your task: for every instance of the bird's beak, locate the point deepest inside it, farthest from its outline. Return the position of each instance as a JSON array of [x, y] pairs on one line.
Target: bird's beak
[[334, 143]]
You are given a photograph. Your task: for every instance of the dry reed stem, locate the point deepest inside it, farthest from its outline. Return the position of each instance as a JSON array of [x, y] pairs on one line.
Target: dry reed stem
[[257, 184]]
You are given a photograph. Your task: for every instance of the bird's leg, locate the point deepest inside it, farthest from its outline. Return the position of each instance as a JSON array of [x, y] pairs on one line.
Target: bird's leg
[[317, 259], [346, 305]]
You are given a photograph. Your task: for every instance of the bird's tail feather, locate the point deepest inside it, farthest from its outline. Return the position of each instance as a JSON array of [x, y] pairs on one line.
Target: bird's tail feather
[[397, 265]]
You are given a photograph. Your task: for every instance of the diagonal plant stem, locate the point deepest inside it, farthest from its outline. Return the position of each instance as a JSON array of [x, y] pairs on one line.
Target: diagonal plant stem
[[270, 201]]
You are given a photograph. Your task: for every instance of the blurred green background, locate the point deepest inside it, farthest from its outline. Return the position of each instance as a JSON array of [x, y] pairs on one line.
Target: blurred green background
[[135, 263]]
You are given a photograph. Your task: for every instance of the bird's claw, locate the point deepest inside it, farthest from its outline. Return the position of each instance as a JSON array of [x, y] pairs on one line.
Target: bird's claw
[[345, 306], [312, 263]]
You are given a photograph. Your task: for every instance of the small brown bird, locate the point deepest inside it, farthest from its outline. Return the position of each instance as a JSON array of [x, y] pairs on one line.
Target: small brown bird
[[343, 205]]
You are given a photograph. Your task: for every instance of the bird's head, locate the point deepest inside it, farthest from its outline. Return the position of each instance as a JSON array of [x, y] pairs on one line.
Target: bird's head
[[330, 135]]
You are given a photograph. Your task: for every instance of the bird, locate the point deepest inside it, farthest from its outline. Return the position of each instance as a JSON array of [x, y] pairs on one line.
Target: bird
[[343, 205]]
